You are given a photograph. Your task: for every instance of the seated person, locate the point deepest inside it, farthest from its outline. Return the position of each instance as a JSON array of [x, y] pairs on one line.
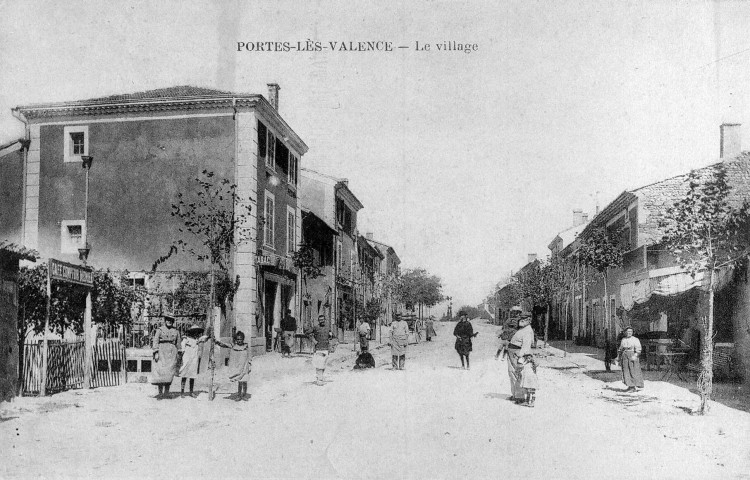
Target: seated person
[[364, 360]]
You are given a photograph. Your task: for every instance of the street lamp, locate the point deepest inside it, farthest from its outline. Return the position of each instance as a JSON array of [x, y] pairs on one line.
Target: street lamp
[[83, 253]]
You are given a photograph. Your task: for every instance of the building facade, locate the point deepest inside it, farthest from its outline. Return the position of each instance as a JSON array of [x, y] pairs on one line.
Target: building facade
[[147, 148], [331, 200]]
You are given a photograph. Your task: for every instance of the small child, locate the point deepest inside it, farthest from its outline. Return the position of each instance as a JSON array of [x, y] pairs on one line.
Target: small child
[[239, 364], [192, 350]]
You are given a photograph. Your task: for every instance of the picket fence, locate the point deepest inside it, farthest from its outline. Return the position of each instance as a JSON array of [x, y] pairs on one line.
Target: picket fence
[[65, 367]]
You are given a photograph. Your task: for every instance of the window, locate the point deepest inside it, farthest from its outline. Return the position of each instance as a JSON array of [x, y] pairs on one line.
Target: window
[[262, 138], [76, 143], [344, 216], [271, 151], [270, 218], [339, 256], [293, 169], [282, 157], [72, 235], [290, 229]]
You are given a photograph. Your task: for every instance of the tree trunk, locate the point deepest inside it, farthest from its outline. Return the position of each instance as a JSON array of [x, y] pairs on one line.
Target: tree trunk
[[546, 323], [705, 379], [210, 323], [606, 310]]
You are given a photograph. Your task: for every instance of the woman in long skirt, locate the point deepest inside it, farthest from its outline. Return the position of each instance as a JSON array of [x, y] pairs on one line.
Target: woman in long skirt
[[399, 340], [630, 349], [165, 345], [430, 328]]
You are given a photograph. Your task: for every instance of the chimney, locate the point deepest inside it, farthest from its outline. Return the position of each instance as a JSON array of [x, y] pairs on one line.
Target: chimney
[[273, 95], [577, 217], [584, 218], [730, 141], [532, 257], [368, 235]]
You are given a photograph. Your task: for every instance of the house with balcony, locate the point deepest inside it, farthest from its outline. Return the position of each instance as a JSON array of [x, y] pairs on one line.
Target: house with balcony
[[330, 199], [145, 149]]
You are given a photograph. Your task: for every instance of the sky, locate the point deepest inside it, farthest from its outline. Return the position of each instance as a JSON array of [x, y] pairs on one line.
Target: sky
[[465, 162]]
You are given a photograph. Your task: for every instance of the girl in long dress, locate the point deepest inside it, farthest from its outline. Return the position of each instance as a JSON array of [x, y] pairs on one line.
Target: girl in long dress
[[630, 349], [192, 350], [239, 364]]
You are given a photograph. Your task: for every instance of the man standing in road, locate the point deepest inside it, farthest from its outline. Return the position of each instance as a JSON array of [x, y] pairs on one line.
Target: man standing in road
[[289, 327], [518, 348], [322, 338]]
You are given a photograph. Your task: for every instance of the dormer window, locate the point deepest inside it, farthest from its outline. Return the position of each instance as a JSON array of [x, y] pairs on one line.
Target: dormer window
[[76, 143]]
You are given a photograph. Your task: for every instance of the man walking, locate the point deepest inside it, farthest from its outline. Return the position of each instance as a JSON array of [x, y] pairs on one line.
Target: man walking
[[518, 349], [321, 339], [289, 327]]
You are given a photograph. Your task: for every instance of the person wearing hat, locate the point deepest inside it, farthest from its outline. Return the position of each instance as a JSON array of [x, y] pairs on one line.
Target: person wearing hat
[[464, 332], [519, 348], [192, 350], [430, 328], [630, 349], [165, 346]]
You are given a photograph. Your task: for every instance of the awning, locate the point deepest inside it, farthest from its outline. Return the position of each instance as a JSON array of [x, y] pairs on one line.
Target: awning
[[640, 291]]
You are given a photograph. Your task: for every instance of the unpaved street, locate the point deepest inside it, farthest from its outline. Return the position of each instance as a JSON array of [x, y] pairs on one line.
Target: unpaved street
[[432, 420]]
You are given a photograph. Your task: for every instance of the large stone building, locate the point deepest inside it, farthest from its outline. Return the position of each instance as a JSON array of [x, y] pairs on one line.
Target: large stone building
[[147, 148], [650, 290]]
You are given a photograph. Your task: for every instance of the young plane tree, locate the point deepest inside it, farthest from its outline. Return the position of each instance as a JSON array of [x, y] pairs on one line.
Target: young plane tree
[[706, 233]]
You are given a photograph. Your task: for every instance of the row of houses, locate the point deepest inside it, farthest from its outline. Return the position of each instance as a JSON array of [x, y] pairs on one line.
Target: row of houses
[[143, 150], [649, 291]]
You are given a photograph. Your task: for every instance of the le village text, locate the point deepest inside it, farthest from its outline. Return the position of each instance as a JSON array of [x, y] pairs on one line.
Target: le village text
[[354, 46]]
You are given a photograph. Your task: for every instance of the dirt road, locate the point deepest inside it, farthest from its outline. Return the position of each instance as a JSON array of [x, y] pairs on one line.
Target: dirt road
[[432, 420]]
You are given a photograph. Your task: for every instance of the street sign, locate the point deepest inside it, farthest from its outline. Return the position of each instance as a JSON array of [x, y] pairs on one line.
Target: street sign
[[67, 272]]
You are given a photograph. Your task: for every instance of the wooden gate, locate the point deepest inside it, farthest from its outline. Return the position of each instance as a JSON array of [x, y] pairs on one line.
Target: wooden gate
[[66, 364], [108, 363], [64, 368]]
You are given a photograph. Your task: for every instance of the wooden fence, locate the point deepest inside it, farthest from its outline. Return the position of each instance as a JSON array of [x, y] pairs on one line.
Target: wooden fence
[[108, 364], [65, 365]]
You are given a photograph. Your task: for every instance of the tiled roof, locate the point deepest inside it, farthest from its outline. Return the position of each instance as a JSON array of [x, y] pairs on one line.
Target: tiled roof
[[654, 199], [181, 91], [183, 98]]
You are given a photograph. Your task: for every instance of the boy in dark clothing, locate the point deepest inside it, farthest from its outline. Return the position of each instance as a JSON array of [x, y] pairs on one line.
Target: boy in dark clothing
[[288, 327]]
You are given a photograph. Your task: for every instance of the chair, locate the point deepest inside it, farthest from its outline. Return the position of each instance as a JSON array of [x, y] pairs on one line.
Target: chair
[[652, 354]]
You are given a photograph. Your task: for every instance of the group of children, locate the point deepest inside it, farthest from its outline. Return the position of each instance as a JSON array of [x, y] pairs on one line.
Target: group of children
[[189, 361]]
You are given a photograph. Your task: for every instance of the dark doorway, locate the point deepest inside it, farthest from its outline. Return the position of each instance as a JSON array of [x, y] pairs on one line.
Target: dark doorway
[[269, 296]]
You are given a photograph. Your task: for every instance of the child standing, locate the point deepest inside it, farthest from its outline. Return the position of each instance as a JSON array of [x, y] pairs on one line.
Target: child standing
[[239, 364], [192, 350]]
